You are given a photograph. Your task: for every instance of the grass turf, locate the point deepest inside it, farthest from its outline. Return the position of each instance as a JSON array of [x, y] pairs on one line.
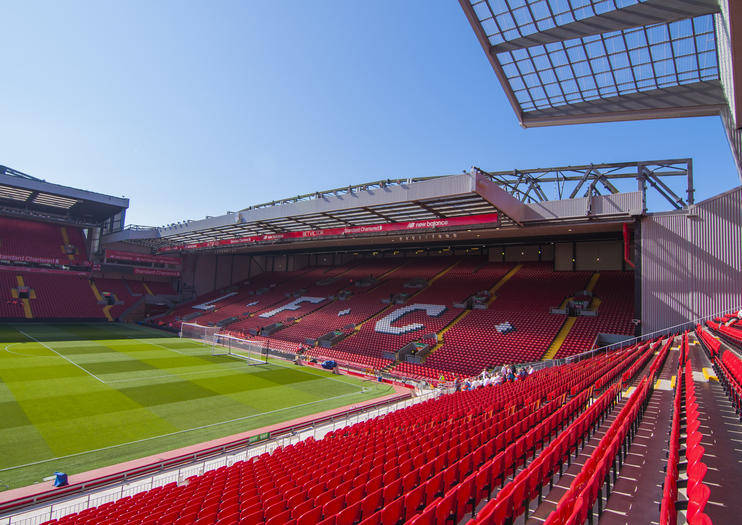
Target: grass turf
[[74, 397]]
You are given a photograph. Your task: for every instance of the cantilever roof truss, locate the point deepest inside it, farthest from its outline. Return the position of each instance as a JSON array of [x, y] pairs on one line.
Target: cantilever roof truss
[[417, 210], [507, 193]]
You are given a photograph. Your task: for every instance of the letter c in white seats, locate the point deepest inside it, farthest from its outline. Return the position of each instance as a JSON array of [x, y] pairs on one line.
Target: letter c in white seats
[[384, 325]]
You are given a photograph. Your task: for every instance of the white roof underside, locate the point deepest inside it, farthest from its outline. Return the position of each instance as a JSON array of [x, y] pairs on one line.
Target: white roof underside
[[595, 60]]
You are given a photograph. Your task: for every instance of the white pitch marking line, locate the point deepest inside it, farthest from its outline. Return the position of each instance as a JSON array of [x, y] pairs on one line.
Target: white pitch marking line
[[235, 369], [60, 355], [6, 348], [161, 346], [181, 431], [153, 344]]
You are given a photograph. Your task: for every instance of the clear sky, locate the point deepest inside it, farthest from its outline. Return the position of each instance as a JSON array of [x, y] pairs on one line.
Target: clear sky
[[195, 108]]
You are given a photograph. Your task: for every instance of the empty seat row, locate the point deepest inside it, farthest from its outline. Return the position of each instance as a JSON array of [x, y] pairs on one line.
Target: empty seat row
[[516, 327], [411, 459], [685, 414], [513, 500], [577, 504]]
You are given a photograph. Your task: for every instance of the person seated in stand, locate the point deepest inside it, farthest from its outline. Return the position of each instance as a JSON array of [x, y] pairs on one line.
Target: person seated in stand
[[531, 370], [522, 374], [511, 375], [499, 379]]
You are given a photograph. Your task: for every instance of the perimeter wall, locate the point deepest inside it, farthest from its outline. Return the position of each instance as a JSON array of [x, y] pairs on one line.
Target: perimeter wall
[[691, 262]]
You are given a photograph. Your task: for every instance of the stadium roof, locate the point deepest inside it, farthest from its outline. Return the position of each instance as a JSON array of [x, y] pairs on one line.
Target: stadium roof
[[599, 60], [476, 200], [24, 195]]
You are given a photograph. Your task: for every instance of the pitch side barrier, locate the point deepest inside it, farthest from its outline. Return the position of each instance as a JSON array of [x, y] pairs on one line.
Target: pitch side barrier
[[39, 507]]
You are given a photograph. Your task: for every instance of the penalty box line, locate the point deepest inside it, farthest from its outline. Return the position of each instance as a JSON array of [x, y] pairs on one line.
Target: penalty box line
[[70, 361]]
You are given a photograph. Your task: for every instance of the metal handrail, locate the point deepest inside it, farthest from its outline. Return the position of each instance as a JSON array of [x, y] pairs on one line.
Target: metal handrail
[[19, 504], [642, 338]]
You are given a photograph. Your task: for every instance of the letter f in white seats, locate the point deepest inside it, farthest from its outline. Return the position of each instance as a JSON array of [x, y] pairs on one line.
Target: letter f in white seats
[[293, 305]]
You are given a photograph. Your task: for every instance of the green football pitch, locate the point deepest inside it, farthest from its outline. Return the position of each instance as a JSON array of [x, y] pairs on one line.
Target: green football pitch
[[74, 397]]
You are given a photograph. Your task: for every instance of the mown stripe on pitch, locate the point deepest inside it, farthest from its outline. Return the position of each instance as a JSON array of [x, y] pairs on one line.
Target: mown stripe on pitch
[[42, 373], [12, 415], [119, 366], [22, 444], [163, 393], [80, 421], [73, 348], [80, 434], [203, 411]]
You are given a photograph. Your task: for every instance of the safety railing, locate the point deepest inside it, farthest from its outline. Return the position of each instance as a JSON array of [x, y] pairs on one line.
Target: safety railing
[[688, 325], [57, 503]]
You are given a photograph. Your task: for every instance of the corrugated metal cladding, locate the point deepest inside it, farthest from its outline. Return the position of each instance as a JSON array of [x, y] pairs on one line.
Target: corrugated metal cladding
[[617, 204], [692, 263], [557, 209], [600, 205]]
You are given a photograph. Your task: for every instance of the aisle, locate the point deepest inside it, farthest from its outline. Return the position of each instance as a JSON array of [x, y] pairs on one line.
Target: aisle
[[722, 439], [638, 490]]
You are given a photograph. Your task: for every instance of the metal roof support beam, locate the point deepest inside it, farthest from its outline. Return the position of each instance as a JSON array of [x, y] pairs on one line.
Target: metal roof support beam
[[269, 227], [598, 176], [492, 57], [19, 174], [630, 167], [592, 189], [603, 179], [582, 181], [663, 189], [648, 12], [534, 186], [338, 219], [429, 209], [508, 185], [691, 190]]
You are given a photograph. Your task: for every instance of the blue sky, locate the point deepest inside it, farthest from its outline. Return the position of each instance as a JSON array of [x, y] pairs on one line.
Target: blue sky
[[195, 108]]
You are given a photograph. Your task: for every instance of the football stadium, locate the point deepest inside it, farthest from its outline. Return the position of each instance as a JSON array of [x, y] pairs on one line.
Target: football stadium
[[557, 345]]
